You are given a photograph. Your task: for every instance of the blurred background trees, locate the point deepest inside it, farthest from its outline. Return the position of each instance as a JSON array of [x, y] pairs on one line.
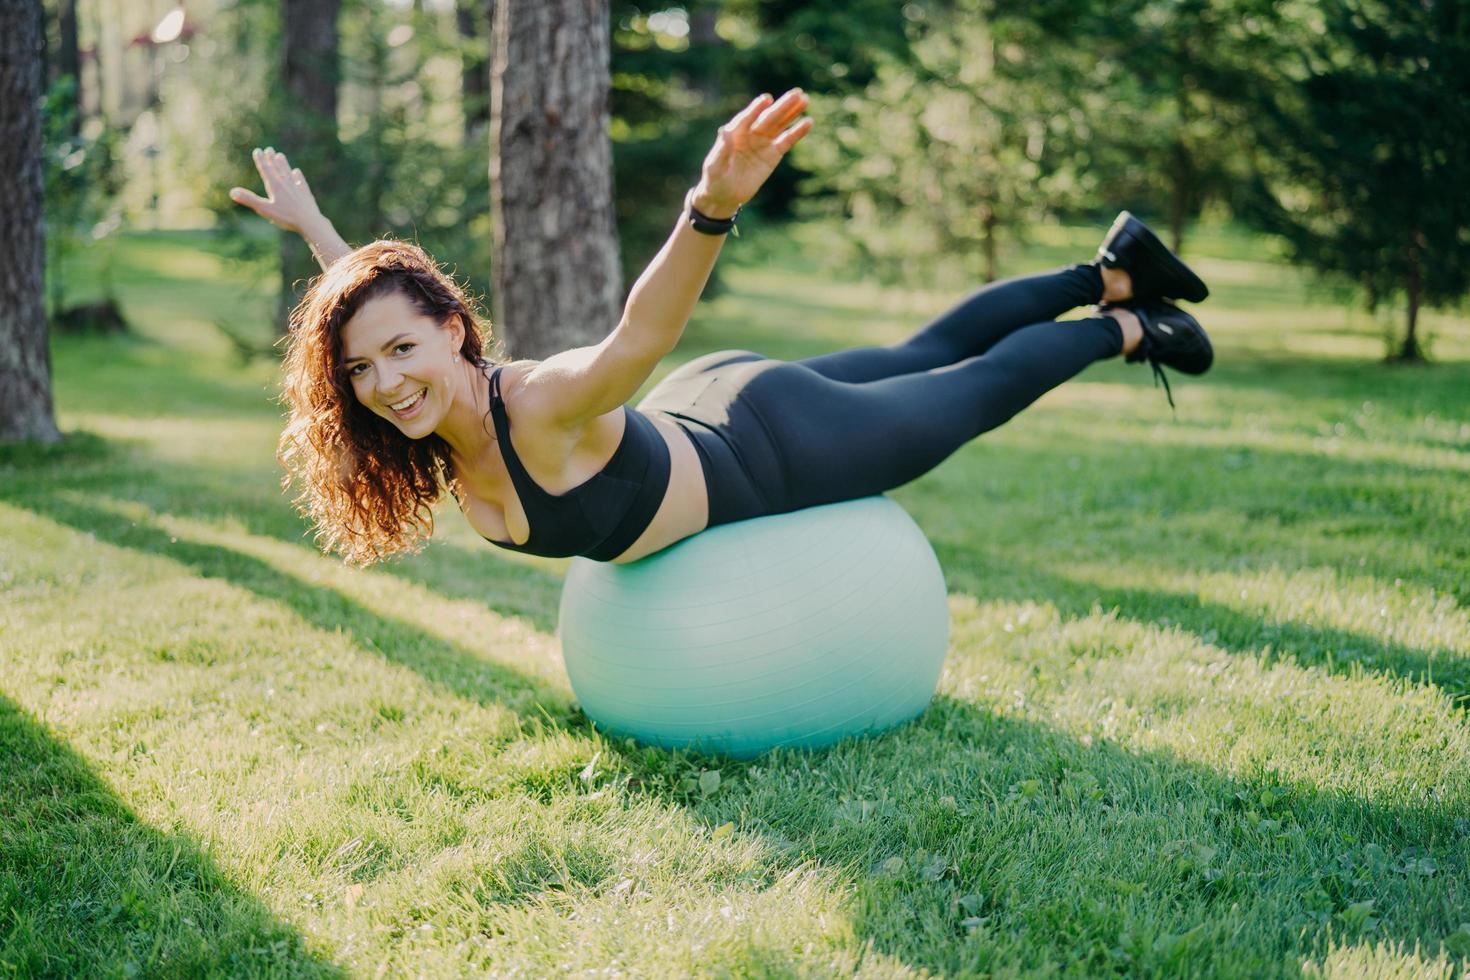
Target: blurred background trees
[[948, 129], [1361, 112]]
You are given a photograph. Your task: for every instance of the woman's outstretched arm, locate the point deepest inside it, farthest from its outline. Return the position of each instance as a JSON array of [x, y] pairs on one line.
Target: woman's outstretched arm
[[586, 382], [289, 204], [747, 149]]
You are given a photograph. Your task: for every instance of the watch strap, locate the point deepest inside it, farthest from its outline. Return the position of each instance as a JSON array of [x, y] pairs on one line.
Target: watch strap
[[703, 222]]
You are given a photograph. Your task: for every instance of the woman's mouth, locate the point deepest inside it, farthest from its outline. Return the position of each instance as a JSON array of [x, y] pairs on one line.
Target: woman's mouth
[[410, 406]]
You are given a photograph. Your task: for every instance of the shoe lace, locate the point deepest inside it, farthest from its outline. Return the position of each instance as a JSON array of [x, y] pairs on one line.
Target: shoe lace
[[1159, 375]]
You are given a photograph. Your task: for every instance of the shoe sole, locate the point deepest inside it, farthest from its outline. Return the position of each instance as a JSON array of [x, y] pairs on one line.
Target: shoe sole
[[1127, 228]]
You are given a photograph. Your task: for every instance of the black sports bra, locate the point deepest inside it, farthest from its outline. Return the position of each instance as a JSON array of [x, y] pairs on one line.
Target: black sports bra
[[602, 517]]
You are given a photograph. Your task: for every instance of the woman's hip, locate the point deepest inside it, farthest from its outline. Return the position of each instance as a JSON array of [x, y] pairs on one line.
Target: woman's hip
[[743, 471]]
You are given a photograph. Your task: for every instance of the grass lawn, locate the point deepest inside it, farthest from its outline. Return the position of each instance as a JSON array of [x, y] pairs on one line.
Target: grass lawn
[[1202, 715]]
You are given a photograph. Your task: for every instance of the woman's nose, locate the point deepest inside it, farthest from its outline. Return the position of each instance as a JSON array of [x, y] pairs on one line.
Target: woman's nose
[[389, 380]]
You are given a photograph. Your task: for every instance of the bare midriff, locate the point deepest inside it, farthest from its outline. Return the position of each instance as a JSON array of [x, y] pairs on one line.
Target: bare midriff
[[559, 461]]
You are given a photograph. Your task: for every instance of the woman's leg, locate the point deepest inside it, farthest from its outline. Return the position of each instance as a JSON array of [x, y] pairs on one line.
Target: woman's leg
[[971, 327], [839, 440]]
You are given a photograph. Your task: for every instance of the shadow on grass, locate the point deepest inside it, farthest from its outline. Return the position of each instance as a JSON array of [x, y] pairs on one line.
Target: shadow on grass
[[515, 589], [1259, 488], [1021, 847], [88, 464], [1338, 498], [1055, 854], [1338, 651], [87, 888], [445, 664]]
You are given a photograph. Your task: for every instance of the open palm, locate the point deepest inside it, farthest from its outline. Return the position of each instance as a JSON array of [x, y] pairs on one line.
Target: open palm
[[288, 203], [750, 145]]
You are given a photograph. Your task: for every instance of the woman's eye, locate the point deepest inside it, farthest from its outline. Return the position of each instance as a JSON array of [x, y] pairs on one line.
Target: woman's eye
[[358, 368]]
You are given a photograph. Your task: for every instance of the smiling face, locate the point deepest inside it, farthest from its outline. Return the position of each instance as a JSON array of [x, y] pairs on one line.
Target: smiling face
[[401, 362]]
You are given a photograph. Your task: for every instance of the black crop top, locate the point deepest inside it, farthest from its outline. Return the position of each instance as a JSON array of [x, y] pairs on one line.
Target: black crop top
[[602, 517]]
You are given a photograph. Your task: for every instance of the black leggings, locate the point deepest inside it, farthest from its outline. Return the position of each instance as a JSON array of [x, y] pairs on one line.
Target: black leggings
[[775, 436]]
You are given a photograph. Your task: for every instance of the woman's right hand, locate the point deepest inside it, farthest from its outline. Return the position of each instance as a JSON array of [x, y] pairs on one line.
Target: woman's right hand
[[288, 203]]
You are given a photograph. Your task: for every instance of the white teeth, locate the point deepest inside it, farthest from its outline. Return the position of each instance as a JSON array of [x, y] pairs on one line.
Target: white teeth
[[400, 406]]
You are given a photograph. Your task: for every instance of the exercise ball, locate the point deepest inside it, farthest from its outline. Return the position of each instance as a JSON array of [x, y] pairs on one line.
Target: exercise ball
[[796, 629]]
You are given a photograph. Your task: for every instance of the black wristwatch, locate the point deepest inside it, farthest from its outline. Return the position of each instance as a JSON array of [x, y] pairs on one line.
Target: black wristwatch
[[703, 222]]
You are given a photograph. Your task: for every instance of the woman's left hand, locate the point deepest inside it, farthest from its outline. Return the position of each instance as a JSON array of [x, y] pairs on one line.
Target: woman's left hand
[[747, 150]]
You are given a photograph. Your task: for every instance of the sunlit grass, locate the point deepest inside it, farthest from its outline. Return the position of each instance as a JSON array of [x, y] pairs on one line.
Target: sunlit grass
[[1202, 713]]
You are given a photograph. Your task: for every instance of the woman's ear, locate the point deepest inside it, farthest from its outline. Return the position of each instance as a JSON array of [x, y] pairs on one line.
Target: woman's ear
[[456, 328]]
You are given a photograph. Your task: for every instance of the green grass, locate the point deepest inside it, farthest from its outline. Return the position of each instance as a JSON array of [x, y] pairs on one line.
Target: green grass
[[1203, 711]]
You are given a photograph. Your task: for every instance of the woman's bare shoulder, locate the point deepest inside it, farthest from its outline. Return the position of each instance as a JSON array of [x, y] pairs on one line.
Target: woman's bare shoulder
[[530, 409], [520, 398]]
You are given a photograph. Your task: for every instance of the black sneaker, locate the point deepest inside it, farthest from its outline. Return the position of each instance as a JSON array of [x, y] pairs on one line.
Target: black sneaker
[[1157, 273], [1172, 337]]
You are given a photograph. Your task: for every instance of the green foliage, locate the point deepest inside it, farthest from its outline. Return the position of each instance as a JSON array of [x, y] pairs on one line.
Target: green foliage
[[1144, 82], [946, 153], [395, 166], [245, 73], [1336, 125], [828, 46], [82, 182], [1363, 114], [652, 173], [406, 171], [1003, 114], [671, 90], [946, 131], [398, 166]]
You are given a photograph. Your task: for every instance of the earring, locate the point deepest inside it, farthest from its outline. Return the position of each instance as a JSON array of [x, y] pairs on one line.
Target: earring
[[456, 358]]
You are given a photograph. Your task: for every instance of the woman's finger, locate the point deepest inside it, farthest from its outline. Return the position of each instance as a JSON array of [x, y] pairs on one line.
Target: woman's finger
[[778, 115], [274, 159], [249, 199], [257, 156], [268, 172], [789, 138], [283, 168], [742, 120]]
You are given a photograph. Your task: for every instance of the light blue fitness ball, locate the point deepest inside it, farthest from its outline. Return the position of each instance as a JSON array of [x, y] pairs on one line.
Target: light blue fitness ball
[[796, 629]]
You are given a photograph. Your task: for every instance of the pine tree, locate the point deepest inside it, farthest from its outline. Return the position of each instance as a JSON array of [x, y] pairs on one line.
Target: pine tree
[[1366, 126]]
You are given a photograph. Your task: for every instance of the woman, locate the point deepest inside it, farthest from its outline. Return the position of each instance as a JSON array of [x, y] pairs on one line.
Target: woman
[[392, 396]]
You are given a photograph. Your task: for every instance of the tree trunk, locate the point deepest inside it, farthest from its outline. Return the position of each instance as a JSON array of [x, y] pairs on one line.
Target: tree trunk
[[1181, 195], [66, 60], [25, 355], [474, 18], [989, 226], [707, 43], [1179, 199], [97, 104], [556, 270], [375, 179], [69, 58], [1411, 351], [309, 75]]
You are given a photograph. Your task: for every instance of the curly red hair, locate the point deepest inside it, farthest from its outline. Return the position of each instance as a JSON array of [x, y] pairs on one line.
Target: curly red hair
[[366, 487]]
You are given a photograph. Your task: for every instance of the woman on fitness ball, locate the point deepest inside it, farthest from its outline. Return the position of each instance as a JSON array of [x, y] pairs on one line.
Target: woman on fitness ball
[[395, 394]]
